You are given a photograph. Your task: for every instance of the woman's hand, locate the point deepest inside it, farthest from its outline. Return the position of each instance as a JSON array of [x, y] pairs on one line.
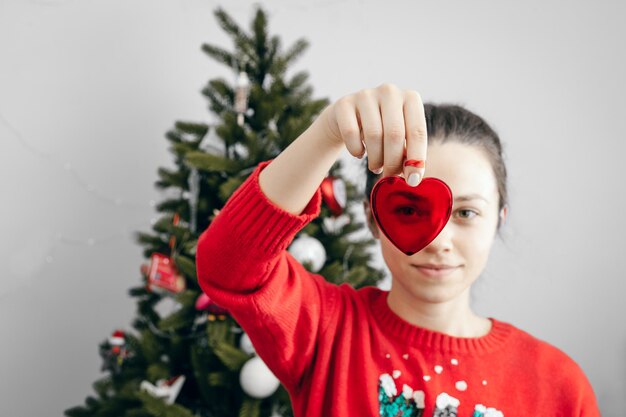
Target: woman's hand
[[386, 122]]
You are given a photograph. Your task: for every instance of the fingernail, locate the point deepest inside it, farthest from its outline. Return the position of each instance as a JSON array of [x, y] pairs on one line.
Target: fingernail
[[378, 171], [414, 178]]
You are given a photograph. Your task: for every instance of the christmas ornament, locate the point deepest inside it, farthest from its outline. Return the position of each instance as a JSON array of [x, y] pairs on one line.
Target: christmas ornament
[[241, 96], [257, 380], [333, 225], [334, 194], [163, 276], [167, 306], [166, 389], [308, 249], [411, 217], [239, 151], [194, 191], [118, 346], [117, 351], [246, 344], [203, 302], [118, 338], [214, 214]]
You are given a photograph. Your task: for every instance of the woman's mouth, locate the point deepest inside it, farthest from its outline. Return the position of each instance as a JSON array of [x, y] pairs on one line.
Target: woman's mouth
[[436, 270]]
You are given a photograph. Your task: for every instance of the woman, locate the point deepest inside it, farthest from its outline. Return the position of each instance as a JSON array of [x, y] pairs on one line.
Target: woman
[[417, 349]]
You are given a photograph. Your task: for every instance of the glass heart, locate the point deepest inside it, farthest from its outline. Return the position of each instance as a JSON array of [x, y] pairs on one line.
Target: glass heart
[[411, 217]]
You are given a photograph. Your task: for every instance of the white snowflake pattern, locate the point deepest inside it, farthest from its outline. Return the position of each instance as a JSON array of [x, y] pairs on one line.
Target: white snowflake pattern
[[388, 384]]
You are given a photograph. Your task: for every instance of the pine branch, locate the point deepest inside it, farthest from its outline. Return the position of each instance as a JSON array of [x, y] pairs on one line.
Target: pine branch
[[250, 408], [232, 357], [219, 54], [197, 129], [211, 163], [158, 408], [241, 38], [295, 51]]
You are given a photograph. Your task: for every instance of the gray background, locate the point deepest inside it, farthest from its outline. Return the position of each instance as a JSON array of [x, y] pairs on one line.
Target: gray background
[[89, 88]]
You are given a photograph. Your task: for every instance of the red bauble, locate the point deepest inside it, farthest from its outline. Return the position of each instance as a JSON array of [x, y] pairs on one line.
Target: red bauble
[[411, 217], [203, 302], [334, 194]]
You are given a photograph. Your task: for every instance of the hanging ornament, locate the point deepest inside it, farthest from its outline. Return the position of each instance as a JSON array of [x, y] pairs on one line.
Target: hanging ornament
[[246, 344], [239, 151], [116, 352], [268, 80], [166, 389], [308, 249], [214, 214], [215, 312], [241, 96], [194, 192], [257, 380], [163, 276], [167, 306], [333, 225], [334, 194], [118, 338], [175, 222]]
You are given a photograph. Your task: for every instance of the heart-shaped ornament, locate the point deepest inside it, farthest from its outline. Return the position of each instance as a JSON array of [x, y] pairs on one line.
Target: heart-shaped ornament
[[411, 217]]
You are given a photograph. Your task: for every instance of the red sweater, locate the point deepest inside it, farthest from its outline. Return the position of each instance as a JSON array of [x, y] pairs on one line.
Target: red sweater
[[343, 352]]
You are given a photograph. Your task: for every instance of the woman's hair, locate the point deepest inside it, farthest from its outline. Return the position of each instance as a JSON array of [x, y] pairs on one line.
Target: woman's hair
[[454, 123]]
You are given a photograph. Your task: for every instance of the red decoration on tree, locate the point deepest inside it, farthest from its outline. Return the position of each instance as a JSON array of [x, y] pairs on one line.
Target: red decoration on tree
[[118, 338], [167, 389], [203, 302], [411, 217], [118, 352], [334, 194], [163, 276]]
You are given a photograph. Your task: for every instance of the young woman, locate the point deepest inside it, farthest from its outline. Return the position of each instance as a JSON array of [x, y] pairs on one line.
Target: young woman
[[417, 349]]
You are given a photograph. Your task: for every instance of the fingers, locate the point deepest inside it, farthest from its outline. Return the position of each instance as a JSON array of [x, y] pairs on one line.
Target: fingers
[[372, 128], [390, 125], [393, 129], [416, 138], [347, 120]]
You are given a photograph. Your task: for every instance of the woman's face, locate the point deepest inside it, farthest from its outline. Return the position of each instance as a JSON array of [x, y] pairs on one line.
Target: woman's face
[[464, 244]]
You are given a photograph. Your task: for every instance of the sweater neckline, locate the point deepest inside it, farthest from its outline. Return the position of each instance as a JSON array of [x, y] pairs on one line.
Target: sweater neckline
[[420, 337]]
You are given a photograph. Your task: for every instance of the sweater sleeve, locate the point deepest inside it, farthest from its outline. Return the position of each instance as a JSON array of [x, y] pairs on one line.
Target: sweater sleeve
[[243, 265]]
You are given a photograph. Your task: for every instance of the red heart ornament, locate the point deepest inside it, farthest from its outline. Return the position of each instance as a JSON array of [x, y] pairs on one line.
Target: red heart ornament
[[411, 217]]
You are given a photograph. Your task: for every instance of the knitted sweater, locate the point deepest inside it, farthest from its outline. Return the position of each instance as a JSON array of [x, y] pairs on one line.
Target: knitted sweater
[[343, 352]]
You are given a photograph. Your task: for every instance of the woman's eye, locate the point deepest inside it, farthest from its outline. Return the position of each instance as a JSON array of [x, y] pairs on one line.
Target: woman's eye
[[467, 213], [410, 212], [405, 210]]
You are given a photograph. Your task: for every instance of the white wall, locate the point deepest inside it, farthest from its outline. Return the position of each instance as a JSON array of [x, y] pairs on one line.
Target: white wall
[[88, 89]]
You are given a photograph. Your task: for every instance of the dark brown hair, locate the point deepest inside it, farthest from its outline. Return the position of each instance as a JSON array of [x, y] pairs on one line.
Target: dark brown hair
[[454, 123]]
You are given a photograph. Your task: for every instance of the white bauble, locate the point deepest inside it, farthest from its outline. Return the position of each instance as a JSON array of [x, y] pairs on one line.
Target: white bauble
[[246, 344], [257, 380], [308, 249]]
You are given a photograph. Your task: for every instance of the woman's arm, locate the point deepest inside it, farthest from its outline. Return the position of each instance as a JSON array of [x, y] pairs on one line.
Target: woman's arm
[[389, 122], [292, 178]]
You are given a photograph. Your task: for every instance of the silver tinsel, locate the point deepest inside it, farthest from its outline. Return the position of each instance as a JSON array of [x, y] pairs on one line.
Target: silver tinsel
[[194, 188]]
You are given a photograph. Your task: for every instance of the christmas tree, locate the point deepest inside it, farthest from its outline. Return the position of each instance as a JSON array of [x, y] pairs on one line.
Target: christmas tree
[[194, 359]]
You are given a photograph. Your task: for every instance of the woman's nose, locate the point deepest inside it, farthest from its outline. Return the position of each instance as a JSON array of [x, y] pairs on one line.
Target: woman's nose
[[443, 241]]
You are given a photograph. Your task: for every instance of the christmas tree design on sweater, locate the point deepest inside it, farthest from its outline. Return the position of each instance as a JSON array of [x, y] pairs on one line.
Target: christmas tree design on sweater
[[411, 403]]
